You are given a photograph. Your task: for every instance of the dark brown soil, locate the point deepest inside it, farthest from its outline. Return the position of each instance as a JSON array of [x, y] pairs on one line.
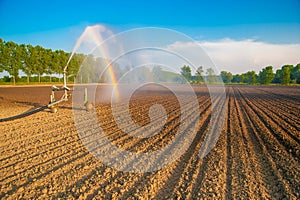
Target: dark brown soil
[[256, 156]]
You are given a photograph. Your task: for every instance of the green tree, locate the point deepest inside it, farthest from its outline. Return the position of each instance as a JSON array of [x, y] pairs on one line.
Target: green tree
[[250, 77], [266, 75], [25, 61], [237, 78], [2, 59], [47, 63], [186, 73], [286, 74], [211, 76], [32, 60], [38, 60], [277, 76], [55, 62], [61, 62], [11, 59], [226, 76], [295, 74], [199, 74], [74, 66]]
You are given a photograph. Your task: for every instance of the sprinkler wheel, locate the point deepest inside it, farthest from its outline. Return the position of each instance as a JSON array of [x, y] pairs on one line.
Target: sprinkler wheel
[[89, 106], [53, 110]]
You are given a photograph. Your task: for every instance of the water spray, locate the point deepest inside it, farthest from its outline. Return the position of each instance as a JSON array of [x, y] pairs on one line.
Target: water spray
[[53, 101], [65, 96]]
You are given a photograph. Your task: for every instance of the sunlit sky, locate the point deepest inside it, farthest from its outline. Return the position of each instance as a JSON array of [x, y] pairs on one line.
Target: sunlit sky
[[253, 32]]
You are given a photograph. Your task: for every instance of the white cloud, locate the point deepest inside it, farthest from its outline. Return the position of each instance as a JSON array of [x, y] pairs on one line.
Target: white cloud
[[241, 56]]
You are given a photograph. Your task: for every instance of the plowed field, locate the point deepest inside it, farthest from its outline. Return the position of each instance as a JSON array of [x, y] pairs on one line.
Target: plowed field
[[257, 155]]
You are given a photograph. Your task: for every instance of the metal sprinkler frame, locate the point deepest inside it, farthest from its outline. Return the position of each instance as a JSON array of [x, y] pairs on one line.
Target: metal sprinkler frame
[[88, 105], [64, 97], [53, 102]]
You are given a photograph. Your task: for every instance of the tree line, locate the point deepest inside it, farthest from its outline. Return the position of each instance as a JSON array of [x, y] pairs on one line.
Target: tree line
[[288, 74], [39, 63], [35, 61]]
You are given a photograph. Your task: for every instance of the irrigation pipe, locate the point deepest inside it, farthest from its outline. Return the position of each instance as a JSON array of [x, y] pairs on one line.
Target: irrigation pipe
[[24, 114]]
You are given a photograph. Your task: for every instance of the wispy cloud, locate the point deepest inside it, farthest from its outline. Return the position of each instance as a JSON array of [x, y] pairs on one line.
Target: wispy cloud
[[243, 55]]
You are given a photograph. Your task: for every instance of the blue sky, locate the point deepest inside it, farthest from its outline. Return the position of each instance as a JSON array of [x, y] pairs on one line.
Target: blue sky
[[57, 24], [35, 16]]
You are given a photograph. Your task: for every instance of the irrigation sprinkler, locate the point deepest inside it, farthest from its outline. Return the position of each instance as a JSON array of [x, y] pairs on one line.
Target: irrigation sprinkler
[[52, 105], [64, 97], [53, 101], [88, 105]]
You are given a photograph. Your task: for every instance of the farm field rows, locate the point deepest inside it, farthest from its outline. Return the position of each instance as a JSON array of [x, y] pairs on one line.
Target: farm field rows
[[256, 156]]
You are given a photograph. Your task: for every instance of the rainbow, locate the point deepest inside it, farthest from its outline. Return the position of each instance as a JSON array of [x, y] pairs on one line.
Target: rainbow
[[113, 79], [93, 33]]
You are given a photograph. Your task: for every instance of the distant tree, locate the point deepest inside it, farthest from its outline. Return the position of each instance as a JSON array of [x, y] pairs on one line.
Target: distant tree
[[6, 79], [47, 63], [226, 76], [1, 55], [211, 76], [87, 70], [39, 67], [186, 72], [32, 61], [250, 77], [38, 60], [199, 74], [26, 66], [62, 59], [11, 60], [74, 65], [295, 74], [266, 75], [237, 78], [286, 74], [277, 76], [55, 62]]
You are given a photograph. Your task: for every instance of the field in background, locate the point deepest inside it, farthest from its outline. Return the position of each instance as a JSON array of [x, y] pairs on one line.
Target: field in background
[[256, 156]]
